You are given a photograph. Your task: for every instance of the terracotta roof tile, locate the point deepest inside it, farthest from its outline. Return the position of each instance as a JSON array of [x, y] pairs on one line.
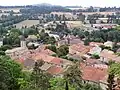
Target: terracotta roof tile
[[47, 51], [47, 58], [95, 43], [43, 56], [110, 55], [80, 48], [57, 61], [55, 70], [93, 74]]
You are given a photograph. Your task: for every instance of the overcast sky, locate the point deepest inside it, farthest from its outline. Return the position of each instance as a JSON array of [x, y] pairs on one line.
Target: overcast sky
[[101, 3]]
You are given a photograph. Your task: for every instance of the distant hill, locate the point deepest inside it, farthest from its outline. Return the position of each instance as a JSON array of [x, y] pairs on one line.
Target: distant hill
[[74, 6], [42, 4]]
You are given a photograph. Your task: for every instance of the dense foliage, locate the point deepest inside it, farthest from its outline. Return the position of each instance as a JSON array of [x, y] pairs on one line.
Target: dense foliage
[[14, 78], [44, 9], [99, 36], [63, 50], [10, 72]]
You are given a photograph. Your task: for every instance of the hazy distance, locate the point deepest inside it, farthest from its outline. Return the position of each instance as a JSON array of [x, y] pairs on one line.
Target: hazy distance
[[85, 3]]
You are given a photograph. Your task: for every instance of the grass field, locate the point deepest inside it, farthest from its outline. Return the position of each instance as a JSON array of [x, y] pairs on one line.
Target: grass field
[[27, 23]]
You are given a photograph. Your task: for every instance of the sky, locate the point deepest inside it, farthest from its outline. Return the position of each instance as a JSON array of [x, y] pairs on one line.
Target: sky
[[84, 3]]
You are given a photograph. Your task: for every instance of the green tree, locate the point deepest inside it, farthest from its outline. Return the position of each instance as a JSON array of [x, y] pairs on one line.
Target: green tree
[[113, 71], [5, 47], [72, 76], [39, 78], [10, 71], [63, 50], [86, 41], [52, 48], [57, 84], [95, 56], [51, 40], [2, 53], [89, 86]]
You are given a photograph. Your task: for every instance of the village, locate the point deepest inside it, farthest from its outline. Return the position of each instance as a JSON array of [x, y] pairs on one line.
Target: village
[[60, 40], [93, 59]]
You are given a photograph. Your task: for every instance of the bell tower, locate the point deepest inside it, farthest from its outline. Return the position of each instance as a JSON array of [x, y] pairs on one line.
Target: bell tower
[[22, 40], [1, 42]]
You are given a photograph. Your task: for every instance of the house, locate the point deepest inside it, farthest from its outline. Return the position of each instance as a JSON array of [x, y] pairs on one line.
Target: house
[[57, 37], [32, 38], [109, 44], [47, 51], [51, 60], [98, 21], [94, 75], [93, 44], [95, 50], [104, 26], [92, 61], [17, 52], [30, 44], [95, 63], [79, 49], [105, 20], [106, 56], [70, 39], [55, 70], [44, 50]]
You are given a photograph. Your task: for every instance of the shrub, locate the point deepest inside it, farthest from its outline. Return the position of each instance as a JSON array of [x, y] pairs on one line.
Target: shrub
[[95, 56]]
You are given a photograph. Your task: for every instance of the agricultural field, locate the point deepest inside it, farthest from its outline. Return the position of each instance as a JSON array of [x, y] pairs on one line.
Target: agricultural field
[[27, 23], [67, 14], [71, 24], [74, 24]]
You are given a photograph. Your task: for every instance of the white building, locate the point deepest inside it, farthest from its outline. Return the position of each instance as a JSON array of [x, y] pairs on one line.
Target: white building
[[108, 44], [57, 37], [95, 50]]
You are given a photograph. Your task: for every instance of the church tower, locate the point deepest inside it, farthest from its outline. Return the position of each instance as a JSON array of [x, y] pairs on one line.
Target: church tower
[[22, 40], [1, 42]]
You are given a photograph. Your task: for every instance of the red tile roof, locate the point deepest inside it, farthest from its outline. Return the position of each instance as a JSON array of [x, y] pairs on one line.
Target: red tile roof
[[80, 48], [43, 56], [57, 61], [109, 56], [47, 58], [47, 51], [55, 70], [93, 74], [95, 43]]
